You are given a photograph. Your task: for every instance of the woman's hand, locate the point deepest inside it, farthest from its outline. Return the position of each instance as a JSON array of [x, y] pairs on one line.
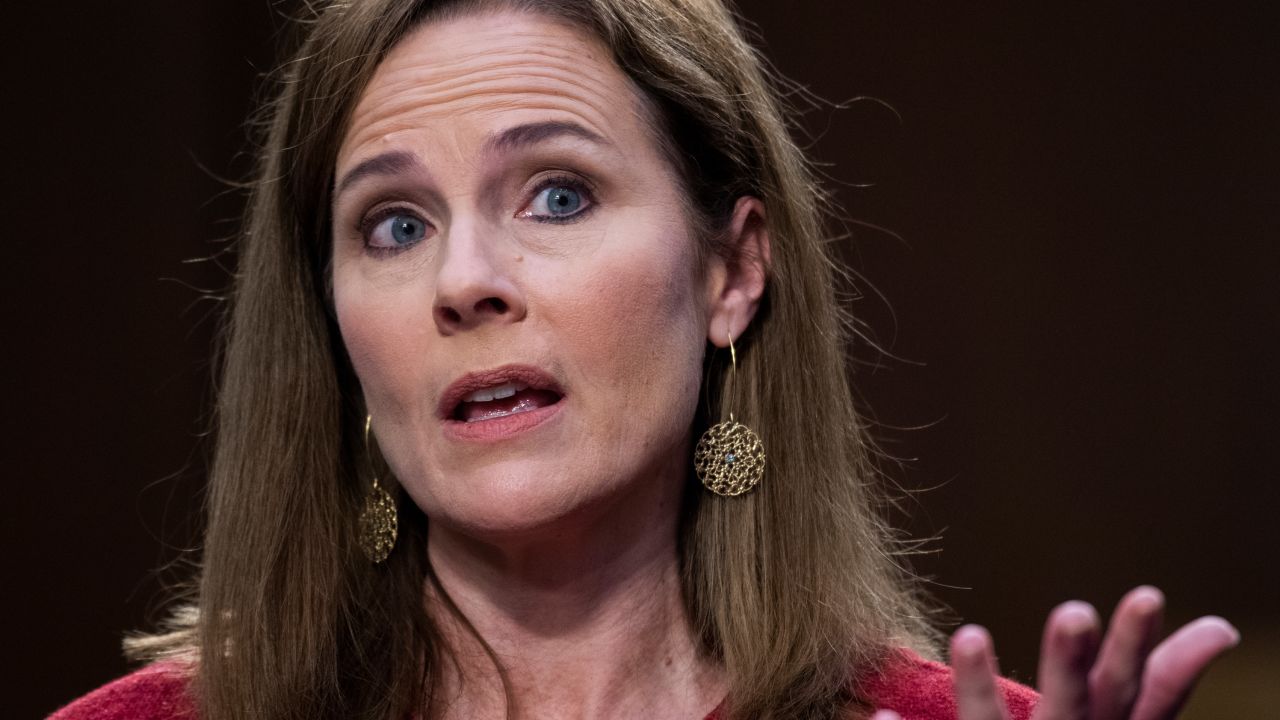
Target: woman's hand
[[1126, 676]]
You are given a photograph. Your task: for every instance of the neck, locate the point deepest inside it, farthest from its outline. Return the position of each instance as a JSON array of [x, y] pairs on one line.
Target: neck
[[585, 621]]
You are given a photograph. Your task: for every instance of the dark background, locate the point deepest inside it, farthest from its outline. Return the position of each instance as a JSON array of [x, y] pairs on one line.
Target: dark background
[[1078, 293]]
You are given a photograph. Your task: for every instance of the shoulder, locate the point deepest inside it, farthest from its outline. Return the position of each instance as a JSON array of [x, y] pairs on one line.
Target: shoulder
[[156, 692], [919, 689]]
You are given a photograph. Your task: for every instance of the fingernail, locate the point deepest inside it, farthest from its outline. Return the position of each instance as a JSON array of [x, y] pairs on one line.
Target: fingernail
[[970, 640], [1148, 597], [1225, 625], [1077, 617]]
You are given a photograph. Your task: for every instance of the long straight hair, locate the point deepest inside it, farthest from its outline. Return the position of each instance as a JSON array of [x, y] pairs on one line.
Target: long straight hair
[[794, 589]]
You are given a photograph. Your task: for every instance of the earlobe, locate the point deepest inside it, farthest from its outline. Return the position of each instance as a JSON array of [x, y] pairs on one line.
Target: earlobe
[[743, 272]]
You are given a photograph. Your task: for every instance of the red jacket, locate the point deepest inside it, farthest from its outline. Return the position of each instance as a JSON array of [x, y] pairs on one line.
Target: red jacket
[[916, 688]]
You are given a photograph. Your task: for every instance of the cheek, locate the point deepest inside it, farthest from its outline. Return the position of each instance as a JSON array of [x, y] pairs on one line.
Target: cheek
[[637, 331], [384, 331]]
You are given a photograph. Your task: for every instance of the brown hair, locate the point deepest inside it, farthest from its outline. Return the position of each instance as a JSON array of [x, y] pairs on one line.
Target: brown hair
[[794, 588]]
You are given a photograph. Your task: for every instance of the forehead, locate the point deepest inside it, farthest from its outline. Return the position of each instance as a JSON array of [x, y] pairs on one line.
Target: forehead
[[466, 77]]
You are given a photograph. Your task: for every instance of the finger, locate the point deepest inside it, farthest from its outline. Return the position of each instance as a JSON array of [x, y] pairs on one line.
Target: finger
[[974, 666], [886, 715], [1117, 675], [1176, 664], [1069, 647]]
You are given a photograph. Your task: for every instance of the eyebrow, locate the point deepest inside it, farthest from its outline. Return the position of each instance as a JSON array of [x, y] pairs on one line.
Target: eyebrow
[[388, 163], [534, 133], [399, 161]]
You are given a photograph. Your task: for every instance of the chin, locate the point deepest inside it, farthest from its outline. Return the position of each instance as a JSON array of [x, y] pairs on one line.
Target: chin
[[514, 499]]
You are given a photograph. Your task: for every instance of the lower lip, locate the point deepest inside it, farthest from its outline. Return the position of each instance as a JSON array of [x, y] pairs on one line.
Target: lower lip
[[500, 428]]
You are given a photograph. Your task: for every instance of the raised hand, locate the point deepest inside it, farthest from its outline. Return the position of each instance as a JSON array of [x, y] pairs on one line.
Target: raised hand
[[1125, 676]]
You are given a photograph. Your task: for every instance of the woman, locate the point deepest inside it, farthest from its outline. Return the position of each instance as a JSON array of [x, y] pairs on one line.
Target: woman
[[507, 268]]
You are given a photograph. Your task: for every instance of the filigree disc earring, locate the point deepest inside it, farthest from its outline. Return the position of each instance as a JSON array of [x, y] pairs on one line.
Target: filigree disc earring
[[378, 521], [729, 458]]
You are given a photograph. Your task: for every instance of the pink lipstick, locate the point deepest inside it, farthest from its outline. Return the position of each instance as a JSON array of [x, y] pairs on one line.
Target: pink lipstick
[[497, 404]]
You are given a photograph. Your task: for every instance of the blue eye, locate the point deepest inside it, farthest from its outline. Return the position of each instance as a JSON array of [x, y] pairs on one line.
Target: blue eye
[[556, 202], [397, 230]]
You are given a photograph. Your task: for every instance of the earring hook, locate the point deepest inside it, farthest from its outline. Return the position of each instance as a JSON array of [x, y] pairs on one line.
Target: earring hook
[[368, 449], [733, 372]]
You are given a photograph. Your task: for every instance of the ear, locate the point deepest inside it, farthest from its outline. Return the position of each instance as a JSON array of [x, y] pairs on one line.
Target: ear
[[736, 283]]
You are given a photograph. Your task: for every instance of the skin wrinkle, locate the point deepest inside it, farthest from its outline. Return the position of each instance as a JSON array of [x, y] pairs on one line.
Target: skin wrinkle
[[499, 81], [559, 544], [486, 86]]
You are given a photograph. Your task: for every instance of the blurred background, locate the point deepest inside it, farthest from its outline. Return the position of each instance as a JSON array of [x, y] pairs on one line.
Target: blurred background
[[1065, 219]]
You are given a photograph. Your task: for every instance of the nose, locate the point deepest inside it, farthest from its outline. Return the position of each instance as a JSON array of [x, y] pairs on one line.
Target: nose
[[474, 286]]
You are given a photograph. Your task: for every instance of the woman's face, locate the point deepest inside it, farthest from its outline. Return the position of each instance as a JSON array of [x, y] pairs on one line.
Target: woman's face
[[515, 277]]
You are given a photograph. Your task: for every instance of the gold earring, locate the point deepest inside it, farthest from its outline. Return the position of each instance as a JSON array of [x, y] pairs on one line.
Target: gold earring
[[729, 458], [378, 520]]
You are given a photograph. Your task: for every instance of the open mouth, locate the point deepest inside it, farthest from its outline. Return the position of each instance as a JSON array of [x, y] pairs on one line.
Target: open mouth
[[504, 400]]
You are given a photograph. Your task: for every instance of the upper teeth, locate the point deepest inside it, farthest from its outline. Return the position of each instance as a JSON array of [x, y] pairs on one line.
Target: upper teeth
[[495, 393]]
